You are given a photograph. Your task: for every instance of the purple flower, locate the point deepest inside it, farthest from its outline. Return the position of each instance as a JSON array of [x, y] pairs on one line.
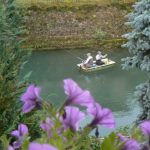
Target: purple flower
[[145, 127], [77, 96], [37, 146], [10, 147], [19, 134], [31, 98], [47, 126], [122, 138], [72, 117], [102, 116], [129, 144]]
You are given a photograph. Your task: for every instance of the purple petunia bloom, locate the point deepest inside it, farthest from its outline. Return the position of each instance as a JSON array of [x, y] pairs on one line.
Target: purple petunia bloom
[[72, 117], [129, 144], [31, 98], [37, 146], [145, 127], [47, 126], [19, 134], [122, 138], [10, 147], [76, 95], [102, 116]]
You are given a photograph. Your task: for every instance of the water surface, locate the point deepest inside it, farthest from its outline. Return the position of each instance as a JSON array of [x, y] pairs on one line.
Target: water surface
[[112, 87]]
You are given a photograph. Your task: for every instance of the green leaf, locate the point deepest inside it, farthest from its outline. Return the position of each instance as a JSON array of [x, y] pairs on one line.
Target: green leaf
[[109, 143], [4, 141]]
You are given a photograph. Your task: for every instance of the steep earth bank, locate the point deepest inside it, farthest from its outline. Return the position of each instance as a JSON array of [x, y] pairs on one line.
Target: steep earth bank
[[88, 26]]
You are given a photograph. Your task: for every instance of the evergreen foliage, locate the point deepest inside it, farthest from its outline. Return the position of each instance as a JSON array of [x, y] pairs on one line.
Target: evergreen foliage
[[12, 58], [139, 47]]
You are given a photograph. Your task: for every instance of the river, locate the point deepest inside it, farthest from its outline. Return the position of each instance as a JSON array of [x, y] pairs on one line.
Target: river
[[112, 87]]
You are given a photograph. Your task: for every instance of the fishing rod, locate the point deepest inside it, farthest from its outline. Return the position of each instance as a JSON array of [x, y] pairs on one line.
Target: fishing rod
[[75, 55]]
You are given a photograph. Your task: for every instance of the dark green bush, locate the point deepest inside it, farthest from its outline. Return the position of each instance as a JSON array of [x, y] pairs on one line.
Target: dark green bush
[[12, 58]]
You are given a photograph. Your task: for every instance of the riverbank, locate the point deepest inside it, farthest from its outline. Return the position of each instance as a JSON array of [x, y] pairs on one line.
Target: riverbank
[[83, 26]]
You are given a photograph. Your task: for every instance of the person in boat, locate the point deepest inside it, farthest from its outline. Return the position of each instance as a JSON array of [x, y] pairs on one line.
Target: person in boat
[[89, 61], [99, 58]]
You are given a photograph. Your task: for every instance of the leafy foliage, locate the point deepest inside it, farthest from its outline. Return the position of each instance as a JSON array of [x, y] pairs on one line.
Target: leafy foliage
[[61, 128], [12, 57], [78, 140], [99, 34]]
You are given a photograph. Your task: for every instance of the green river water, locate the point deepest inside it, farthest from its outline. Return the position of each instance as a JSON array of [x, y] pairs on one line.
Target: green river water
[[112, 87]]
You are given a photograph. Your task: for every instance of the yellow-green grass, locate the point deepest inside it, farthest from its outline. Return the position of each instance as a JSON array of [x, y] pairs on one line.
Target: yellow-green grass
[[57, 3], [61, 43]]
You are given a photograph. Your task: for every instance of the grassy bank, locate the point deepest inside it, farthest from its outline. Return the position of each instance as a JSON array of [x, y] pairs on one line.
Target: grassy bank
[[68, 3], [52, 26]]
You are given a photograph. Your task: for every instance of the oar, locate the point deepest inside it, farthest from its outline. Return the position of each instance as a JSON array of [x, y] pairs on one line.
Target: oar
[[75, 55]]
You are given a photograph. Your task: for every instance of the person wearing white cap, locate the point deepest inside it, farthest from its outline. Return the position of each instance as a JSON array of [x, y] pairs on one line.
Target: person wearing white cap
[[89, 61], [99, 58]]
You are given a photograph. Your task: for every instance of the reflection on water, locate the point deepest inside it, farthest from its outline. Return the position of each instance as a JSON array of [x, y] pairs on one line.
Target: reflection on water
[[112, 87]]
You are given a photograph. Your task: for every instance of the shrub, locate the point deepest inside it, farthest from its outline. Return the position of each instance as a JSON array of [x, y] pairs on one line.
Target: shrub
[[12, 58], [99, 34]]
